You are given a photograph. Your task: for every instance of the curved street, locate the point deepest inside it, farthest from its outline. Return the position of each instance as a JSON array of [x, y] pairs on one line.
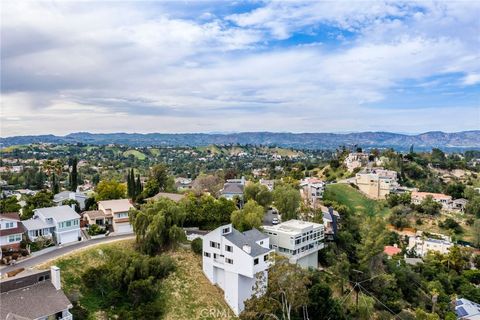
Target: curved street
[[59, 251]]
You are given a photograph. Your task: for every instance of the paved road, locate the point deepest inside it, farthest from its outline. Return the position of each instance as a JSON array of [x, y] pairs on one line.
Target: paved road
[[36, 260], [267, 218]]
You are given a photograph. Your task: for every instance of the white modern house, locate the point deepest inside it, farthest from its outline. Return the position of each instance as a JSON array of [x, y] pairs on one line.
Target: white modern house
[[69, 195], [235, 261], [423, 245], [117, 211], [60, 223], [297, 240], [11, 231]]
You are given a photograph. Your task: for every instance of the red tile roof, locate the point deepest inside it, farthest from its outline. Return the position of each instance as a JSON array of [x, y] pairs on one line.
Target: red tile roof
[[391, 250]]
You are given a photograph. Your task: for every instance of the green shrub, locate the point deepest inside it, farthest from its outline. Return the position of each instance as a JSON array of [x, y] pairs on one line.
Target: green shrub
[[197, 245]]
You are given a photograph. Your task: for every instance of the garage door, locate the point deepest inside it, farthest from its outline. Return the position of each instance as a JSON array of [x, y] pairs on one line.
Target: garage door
[[124, 228], [68, 237]]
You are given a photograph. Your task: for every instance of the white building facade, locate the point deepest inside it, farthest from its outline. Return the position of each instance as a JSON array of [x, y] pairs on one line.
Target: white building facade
[[297, 240], [236, 261], [60, 223], [422, 246]]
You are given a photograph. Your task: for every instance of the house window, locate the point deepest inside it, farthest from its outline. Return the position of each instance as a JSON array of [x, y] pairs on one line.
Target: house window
[[214, 244], [215, 256], [255, 261], [228, 248], [68, 223], [206, 254], [230, 261], [9, 225], [15, 238], [122, 214], [265, 257], [225, 230]]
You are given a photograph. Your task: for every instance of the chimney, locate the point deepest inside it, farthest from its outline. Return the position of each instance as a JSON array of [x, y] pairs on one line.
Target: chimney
[[247, 248], [55, 277]]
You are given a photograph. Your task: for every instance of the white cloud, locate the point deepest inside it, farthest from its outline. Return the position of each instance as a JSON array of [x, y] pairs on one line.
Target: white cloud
[[123, 67]]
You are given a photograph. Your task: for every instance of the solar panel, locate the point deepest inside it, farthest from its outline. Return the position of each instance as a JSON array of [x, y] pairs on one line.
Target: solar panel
[[461, 312], [459, 302]]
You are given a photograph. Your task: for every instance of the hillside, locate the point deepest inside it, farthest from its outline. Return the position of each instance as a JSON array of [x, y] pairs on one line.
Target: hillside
[[425, 141]]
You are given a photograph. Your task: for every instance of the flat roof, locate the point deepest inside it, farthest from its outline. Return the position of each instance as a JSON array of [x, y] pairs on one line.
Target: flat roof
[[293, 226]]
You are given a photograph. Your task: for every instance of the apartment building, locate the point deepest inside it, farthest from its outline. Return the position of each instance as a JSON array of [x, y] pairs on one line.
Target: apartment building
[[235, 261], [61, 223], [116, 212], [34, 295], [297, 240], [376, 183], [11, 231]]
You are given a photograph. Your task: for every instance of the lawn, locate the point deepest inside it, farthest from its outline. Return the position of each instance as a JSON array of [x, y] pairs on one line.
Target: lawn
[[189, 295], [137, 154], [155, 152], [354, 200]]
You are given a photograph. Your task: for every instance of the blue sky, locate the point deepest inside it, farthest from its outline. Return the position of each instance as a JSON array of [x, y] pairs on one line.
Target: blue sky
[[203, 66]]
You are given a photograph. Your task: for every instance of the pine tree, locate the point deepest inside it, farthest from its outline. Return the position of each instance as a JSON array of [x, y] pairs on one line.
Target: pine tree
[[55, 187], [130, 184]]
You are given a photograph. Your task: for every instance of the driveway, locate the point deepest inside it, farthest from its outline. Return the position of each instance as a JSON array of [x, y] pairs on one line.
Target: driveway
[[59, 251], [267, 218]]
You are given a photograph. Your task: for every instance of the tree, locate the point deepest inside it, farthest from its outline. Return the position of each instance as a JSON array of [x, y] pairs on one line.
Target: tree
[[287, 201], [138, 186], [42, 199], [109, 190], [55, 185], [159, 173], [473, 206], [158, 225], [476, 233], [131, 189], [71, 202], [286, 294], [259, 193], [456, 190], [207, 183], [430, 206], [197, 246], [9, 204], [249, 217], [73, 178]]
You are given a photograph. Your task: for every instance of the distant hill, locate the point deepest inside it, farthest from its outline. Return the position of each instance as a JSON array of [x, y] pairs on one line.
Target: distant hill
[[446, 141]]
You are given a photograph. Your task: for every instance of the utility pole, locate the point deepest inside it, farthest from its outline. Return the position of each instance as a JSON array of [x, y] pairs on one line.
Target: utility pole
[[357, 286]]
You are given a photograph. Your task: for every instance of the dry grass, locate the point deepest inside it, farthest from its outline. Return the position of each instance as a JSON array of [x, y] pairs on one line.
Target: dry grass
[[191, 294]]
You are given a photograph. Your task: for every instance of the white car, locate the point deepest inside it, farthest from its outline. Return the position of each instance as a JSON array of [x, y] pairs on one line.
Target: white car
[[275, 221]]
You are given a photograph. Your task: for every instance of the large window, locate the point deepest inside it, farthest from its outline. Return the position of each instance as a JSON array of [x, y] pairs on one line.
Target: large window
[[122, 214], [228, 248], [214, 244], [9, 225], [15, 238]]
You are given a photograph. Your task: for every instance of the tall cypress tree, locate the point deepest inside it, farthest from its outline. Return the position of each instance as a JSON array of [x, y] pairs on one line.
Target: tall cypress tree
[[138, 187], [55, 187], [73, 179]]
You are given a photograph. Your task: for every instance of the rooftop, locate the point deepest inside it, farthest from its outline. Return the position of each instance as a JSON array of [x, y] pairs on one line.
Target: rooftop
[[250, 238], [119, 205], [293, 227], [60, 213]]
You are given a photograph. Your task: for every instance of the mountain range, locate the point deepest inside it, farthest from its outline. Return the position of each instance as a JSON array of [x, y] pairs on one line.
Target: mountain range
[[459, 141]]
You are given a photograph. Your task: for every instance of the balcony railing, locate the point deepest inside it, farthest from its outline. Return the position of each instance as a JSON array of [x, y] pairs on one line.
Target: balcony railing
[[68, 316]]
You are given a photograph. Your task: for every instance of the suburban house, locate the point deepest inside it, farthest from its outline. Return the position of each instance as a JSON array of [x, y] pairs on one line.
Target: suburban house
[[312, 190], [233, 188], [183, 183], [467, 310], [97, 217], [36, 295], [118, 210], [459, 204], [11, 231], [297, 240], [270, 184], [422, 245], [443, 199], [60, 223], [391, 251], [376, 183], [355, 160], [69, 195], [172, 196], [235, 261]]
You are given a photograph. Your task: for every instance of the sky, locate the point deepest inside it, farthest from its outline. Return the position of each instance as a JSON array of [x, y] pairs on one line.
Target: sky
[[237, 66]]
